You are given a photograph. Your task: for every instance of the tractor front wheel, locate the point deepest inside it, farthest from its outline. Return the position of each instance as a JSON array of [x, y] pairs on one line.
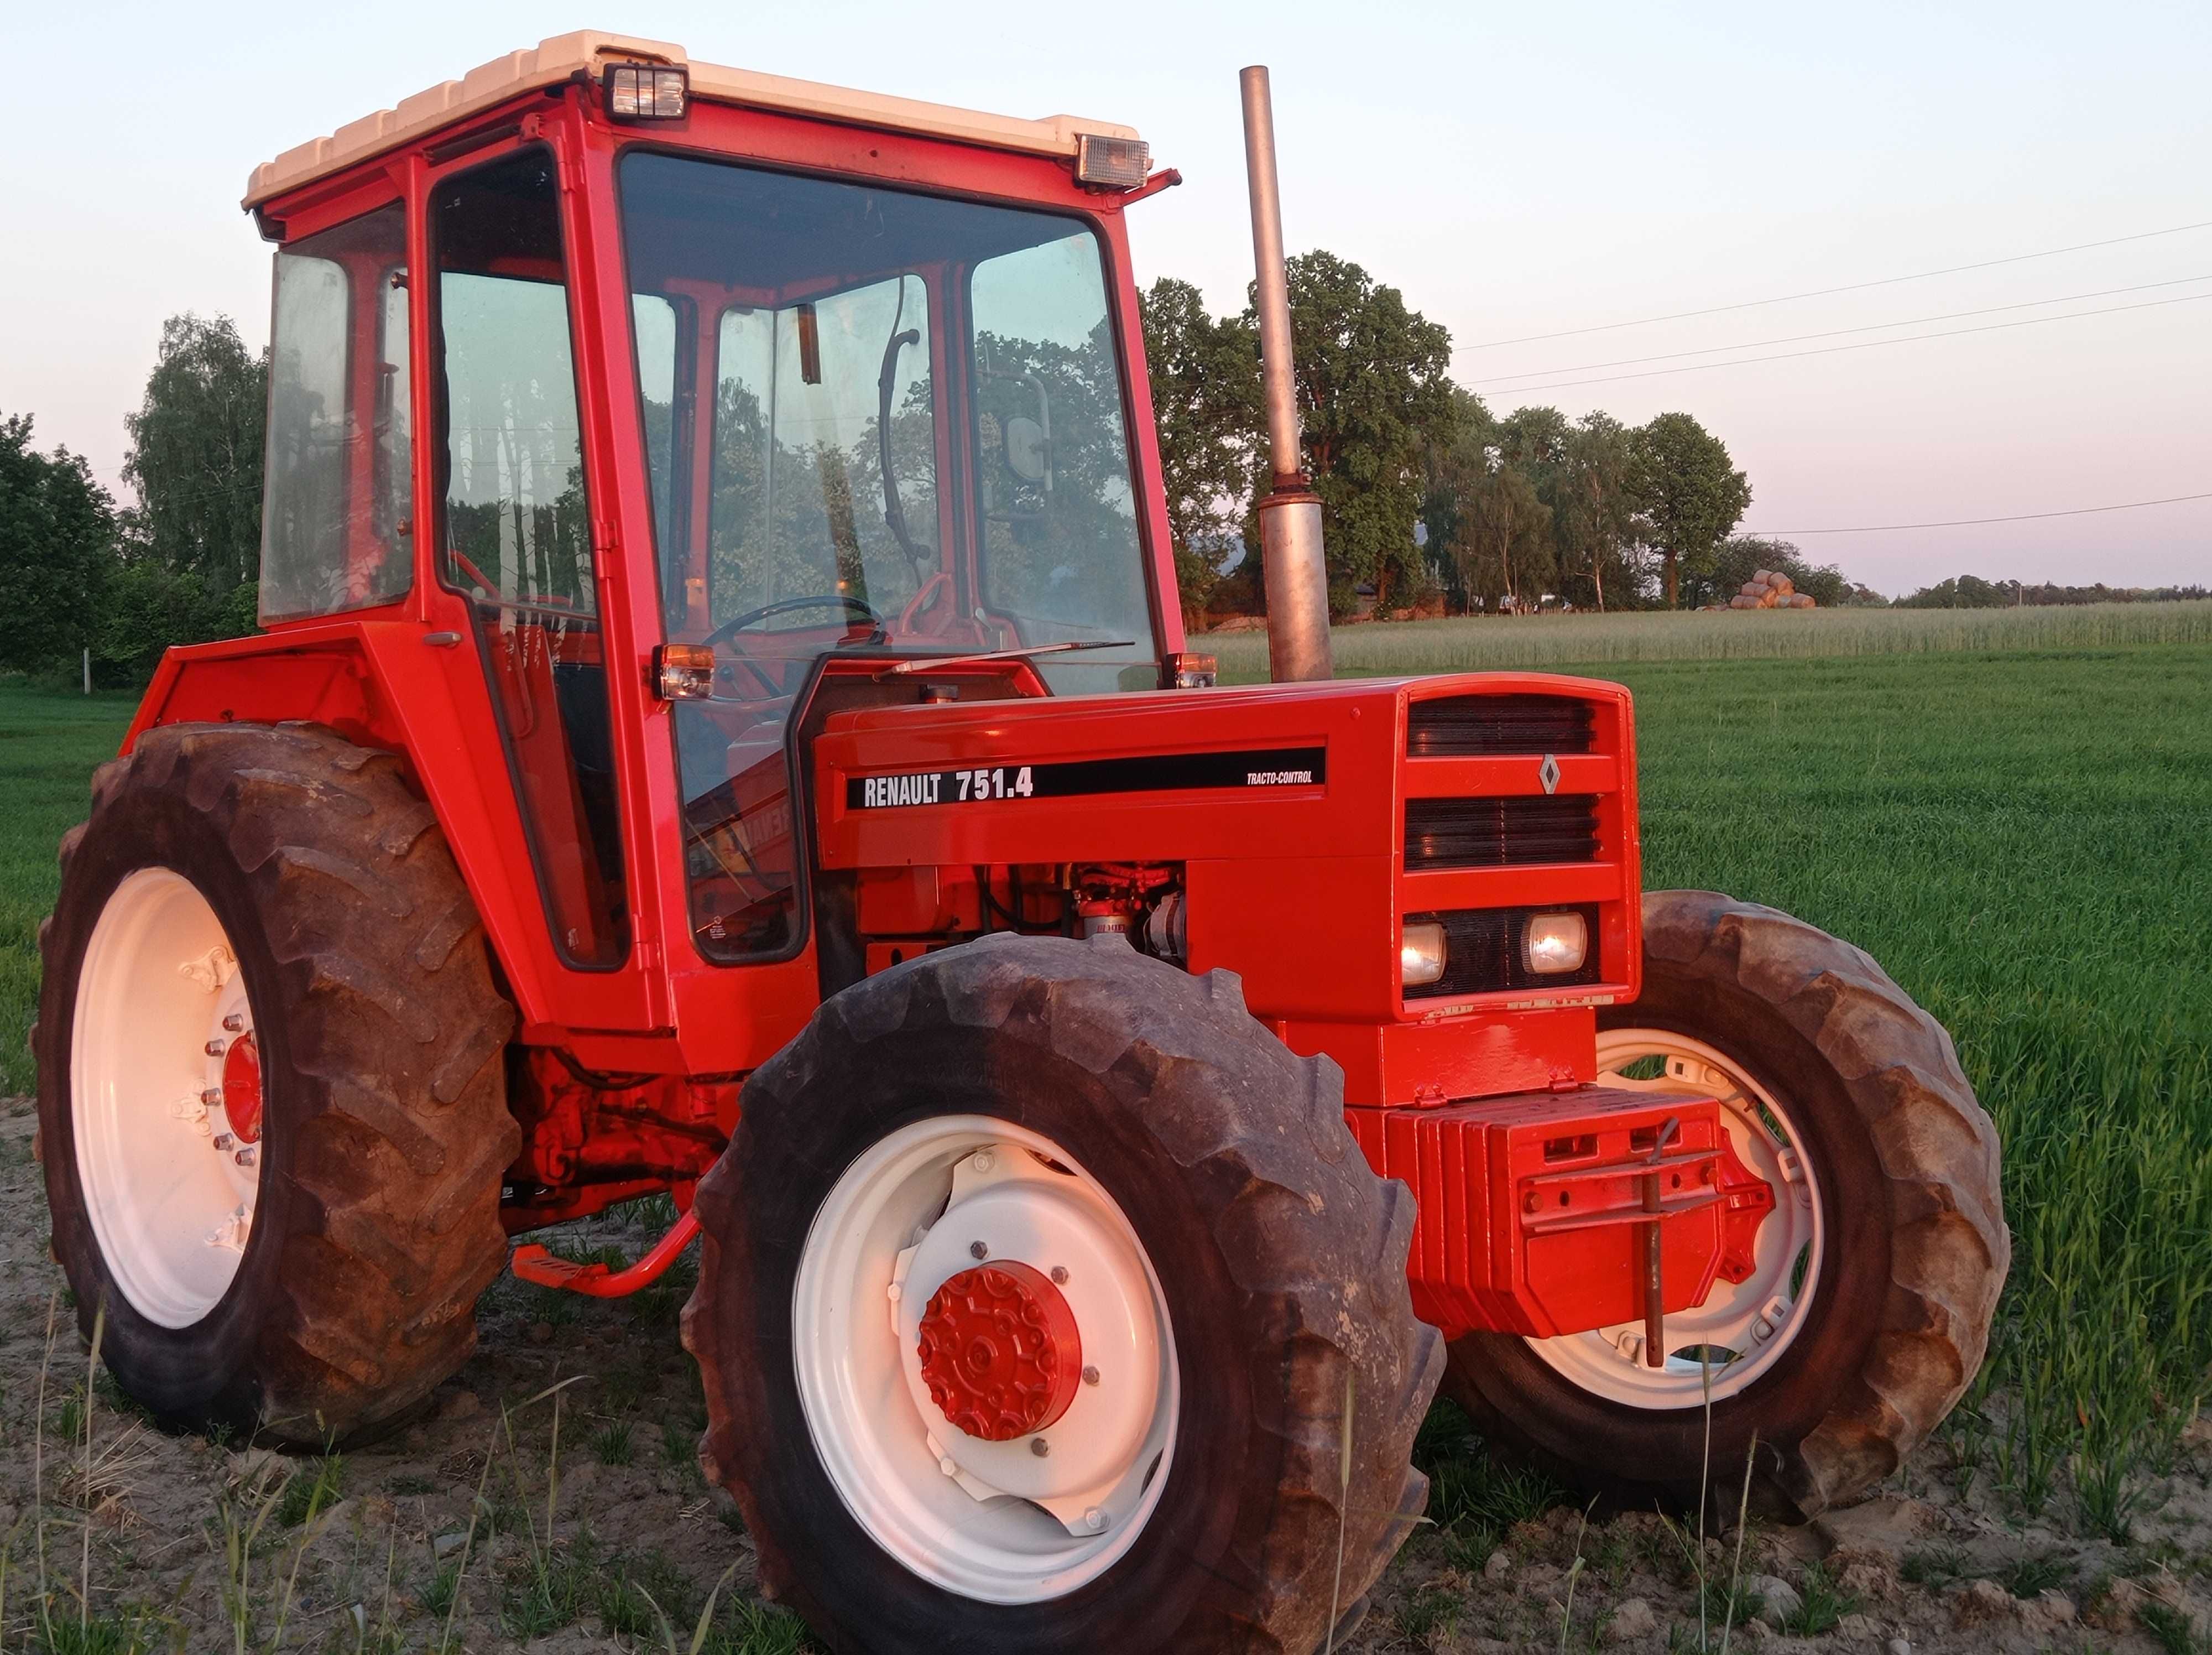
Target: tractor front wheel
[[270, 1101], [1046, 1302], [1876, 1275]]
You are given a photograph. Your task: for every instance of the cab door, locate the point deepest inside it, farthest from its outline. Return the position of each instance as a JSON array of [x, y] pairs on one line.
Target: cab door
[[519, 546]]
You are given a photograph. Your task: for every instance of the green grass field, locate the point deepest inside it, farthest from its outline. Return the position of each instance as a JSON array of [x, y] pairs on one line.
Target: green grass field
[[2023, 836], [50, 742]]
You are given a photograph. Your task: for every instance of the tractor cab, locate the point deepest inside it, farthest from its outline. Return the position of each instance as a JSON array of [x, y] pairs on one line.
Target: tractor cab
[[645, 386]]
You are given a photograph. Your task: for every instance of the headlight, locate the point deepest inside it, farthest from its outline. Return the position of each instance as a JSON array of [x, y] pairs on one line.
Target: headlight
[[1420, 954], [1554, 943]]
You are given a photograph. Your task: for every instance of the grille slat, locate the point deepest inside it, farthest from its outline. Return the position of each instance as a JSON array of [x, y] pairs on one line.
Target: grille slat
[[1510, 832], [1482, 952], [1481, 726]]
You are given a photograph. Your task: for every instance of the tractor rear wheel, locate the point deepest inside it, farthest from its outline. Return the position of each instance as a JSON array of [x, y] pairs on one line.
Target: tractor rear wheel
[[1876, 1275], [272, 1105], [1081, 1203]]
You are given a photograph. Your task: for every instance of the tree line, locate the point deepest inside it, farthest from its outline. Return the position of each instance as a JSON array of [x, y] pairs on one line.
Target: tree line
[[1432, 503], [181, 564]]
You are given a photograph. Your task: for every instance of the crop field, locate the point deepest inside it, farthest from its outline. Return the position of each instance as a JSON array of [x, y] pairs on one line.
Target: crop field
[[2011, 811], [1551, 642]]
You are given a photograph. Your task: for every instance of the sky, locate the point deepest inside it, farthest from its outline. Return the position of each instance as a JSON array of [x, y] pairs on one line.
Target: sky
[[1515, 171]]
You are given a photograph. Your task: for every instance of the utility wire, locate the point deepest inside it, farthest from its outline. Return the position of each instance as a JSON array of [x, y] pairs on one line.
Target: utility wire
[[1964, 522], [1839, 332], [1849, 286], [1865, 344]]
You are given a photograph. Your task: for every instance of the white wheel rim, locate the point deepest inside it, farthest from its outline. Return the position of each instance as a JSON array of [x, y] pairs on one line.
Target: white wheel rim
[[159, 1000], [993, 1521], [1743, 1327]]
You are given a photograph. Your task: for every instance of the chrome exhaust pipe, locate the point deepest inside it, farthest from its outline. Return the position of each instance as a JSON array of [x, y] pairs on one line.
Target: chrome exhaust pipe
[[1292, 566]]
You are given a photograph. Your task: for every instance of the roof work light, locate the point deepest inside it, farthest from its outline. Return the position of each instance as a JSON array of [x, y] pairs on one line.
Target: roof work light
[[1108, 163], [646, 92]]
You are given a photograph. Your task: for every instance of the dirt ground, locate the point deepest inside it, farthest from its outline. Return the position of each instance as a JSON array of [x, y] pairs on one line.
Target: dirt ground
[[492, 1525]]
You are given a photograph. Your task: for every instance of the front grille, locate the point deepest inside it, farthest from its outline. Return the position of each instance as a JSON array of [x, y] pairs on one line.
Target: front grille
[[1500, 832], [1482, 952], [1481, 727]]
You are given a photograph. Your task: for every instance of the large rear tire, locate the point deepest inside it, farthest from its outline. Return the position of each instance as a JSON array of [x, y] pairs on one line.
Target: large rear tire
[[1878, 1269], [271, 1103], [1135, 1128]]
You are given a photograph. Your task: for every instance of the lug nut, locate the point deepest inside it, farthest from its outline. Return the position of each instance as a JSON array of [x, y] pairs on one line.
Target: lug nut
[[211, 1097], [947, 1466], [225, 1143], [984, 1160], [246, 1156], [1091, 1376], [215, 1047], [1060, 1275], [977, 1249], [1093, 1518], [234, 1023], [1040, 1447]]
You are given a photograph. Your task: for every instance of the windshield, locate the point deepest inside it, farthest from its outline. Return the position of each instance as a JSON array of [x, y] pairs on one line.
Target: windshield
[[871, 416]]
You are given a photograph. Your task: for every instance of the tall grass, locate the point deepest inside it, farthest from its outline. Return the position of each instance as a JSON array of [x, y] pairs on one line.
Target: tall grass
[[1384, 649]]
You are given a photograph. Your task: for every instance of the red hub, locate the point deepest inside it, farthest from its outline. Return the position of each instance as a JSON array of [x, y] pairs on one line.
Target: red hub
[[241, 1089], [1000, 1351]]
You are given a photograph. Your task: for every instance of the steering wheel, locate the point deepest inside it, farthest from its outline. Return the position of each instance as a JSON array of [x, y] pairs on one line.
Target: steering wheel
[[811, 600]]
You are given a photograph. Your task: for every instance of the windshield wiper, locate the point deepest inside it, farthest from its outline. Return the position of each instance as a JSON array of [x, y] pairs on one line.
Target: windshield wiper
[[937, 663]]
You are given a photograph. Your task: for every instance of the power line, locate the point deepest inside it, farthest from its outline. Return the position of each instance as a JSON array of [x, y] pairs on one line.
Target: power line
[[1839, 332], [1849, 286], [1866, 344], [1965, 522]]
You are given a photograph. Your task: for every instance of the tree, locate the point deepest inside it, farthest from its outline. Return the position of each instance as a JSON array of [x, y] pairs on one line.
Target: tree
[[1372, 388], [57, 543], [1205, 392], [1504, 547], [195, 454], [1447, 464], [1594, 521], [1485, 513], [1690, 494]]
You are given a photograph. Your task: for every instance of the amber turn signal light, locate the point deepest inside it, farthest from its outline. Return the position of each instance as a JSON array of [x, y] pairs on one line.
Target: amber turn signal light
[[683, 672], [1186, 671]]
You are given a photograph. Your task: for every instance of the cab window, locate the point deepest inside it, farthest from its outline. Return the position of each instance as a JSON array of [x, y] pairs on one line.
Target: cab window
[[336, 524]]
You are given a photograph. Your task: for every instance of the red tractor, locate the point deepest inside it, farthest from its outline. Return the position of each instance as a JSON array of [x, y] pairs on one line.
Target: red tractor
[[723, 727]]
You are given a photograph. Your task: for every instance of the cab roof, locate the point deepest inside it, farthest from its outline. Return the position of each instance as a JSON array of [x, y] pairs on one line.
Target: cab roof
[[588, 51]]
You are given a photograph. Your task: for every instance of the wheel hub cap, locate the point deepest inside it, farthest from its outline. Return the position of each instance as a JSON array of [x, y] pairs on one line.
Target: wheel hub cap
[[1000, 1351], [241, 1089]]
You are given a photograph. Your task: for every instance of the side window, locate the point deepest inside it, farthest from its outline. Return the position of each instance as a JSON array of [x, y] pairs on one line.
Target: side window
[[339, 500], [516, 534]]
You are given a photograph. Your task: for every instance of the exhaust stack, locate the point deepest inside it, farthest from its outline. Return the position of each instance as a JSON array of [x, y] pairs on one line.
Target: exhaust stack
[[1289, 517]]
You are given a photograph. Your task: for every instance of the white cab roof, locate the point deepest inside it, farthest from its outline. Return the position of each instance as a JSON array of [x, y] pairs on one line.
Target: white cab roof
[[564, 55]]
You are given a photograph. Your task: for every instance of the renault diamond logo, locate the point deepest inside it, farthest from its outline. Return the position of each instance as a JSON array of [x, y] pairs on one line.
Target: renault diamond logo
[[1549, 775]]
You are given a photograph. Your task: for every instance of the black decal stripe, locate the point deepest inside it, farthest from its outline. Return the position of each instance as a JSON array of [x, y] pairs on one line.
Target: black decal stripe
[[1272, 767]]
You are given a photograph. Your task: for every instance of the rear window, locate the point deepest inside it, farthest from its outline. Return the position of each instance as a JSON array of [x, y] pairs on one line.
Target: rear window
[[337, 500]]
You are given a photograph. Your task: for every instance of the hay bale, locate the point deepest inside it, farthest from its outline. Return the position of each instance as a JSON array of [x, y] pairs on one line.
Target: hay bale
[[1741, 602], [1784, 585], [1802, 600], [1750, 589]]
